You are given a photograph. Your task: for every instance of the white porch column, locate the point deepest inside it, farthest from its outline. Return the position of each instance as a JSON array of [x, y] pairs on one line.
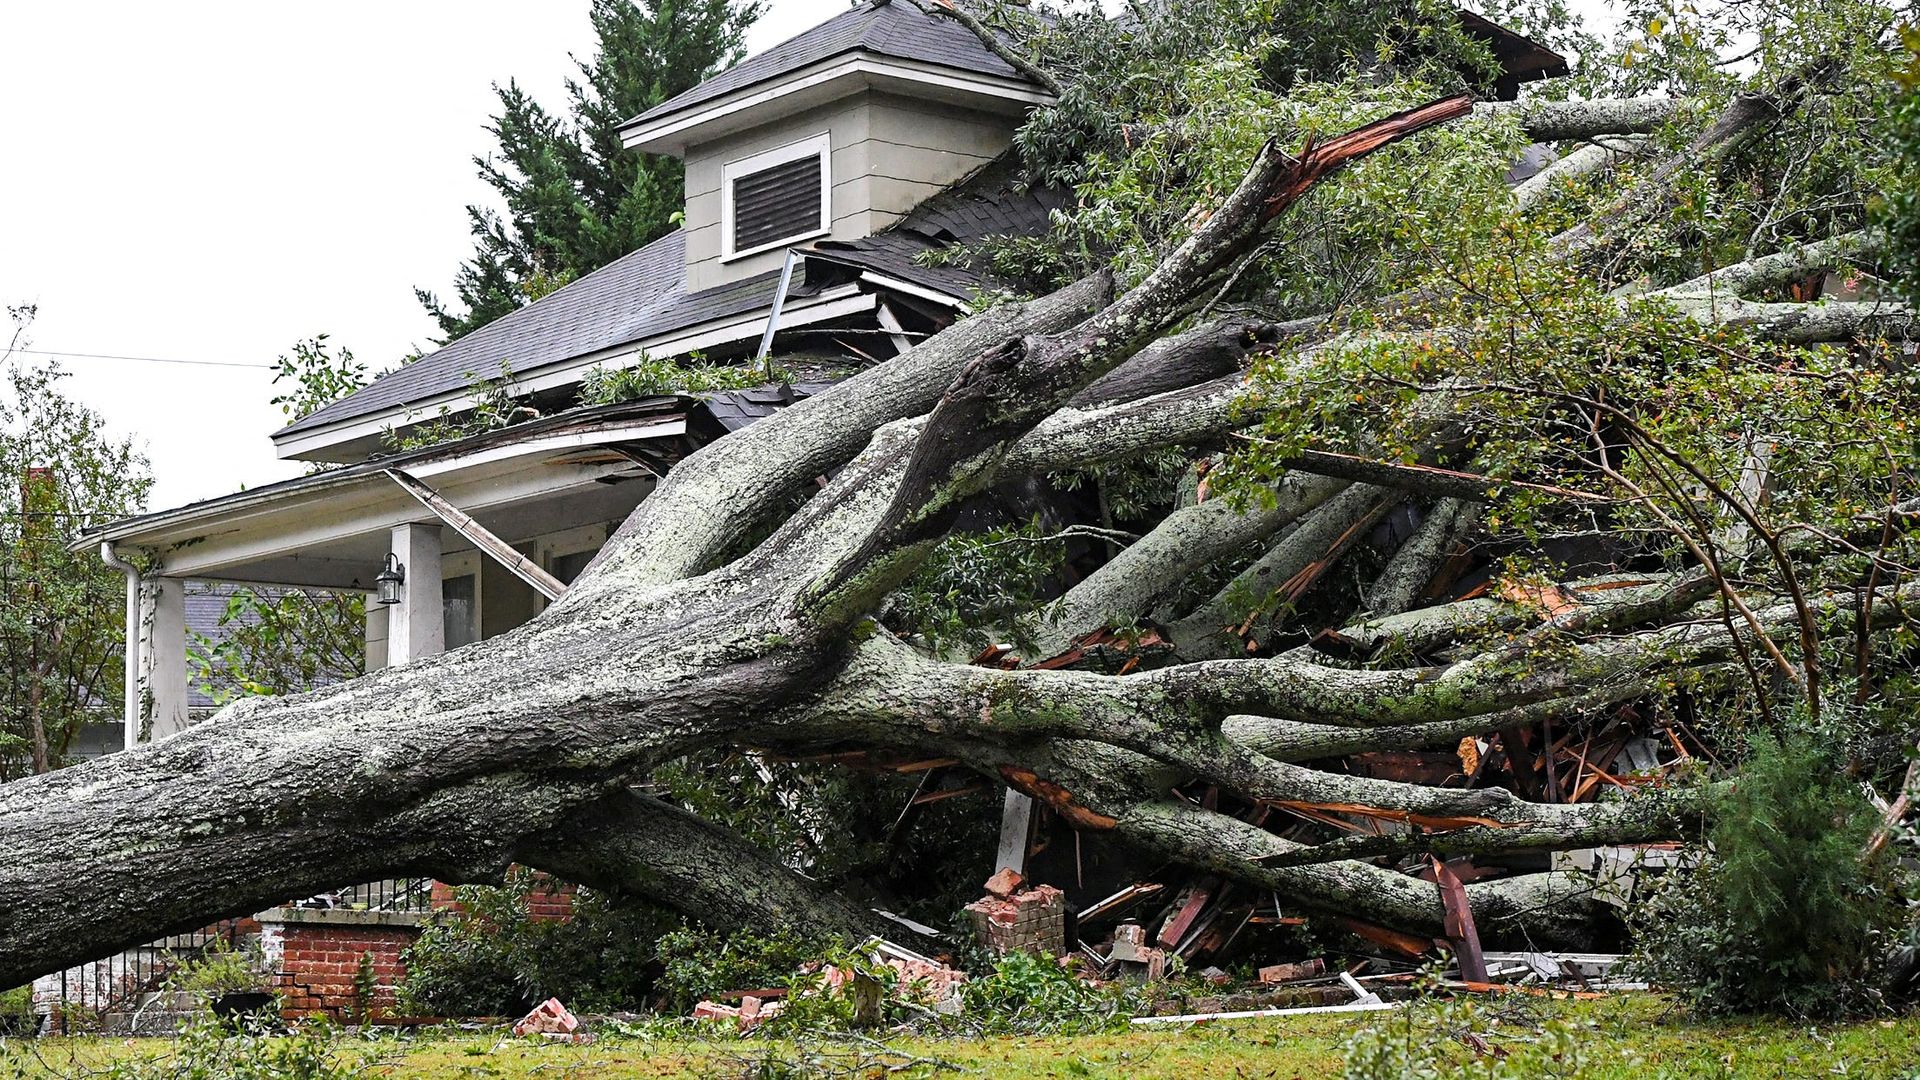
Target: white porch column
[[415, 625], [163, 657], [1016, 826]]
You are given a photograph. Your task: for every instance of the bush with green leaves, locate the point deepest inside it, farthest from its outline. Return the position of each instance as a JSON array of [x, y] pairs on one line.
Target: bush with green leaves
[[218, 970], [17, 1017], [1028, 994], [490, 957], [652, 376], [696, 963], [1785, 913]]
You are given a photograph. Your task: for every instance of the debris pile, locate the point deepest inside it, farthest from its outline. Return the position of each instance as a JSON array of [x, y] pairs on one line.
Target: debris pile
[[753, 1010], [924, 981], [1009, 918]]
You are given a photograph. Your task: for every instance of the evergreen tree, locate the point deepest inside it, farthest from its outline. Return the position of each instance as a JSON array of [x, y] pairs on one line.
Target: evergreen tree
[[575, 200]]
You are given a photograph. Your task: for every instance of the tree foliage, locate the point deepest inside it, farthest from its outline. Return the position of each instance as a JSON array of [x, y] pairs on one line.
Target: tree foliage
[[1783, 914], [318, 375], [574, 199], [1899, 208], [279, 641], [1632, 479], [62, 613]]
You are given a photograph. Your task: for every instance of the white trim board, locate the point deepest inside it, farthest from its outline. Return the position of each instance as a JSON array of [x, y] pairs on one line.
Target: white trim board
[[818, 146], [817, 84]]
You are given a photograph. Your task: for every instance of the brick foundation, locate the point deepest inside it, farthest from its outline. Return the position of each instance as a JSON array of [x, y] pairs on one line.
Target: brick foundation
[[318, 955]]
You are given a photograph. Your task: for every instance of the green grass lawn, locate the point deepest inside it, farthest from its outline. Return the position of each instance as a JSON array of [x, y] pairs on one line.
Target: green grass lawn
[[1634, 1038]]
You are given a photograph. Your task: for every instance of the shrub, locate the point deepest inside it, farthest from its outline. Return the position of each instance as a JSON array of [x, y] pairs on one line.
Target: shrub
[[1032, 995], [219, 970], [17, 1018], [697, 964], [1782, 914], [490, 958]]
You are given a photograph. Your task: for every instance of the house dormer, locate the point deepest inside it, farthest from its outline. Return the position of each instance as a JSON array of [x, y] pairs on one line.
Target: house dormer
[[859, 145], [832, 135]]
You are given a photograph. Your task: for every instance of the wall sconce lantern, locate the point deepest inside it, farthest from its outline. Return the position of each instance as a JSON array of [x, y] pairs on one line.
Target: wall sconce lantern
[[391, 580]]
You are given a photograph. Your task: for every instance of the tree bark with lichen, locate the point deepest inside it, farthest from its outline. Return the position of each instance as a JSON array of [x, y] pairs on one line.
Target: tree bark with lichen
[[522, 748]]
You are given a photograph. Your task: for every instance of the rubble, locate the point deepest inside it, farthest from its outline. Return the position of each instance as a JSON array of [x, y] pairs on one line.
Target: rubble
[[551, 1020], [1004, 882], [1034, 920], [919, 979], [1275, 974]]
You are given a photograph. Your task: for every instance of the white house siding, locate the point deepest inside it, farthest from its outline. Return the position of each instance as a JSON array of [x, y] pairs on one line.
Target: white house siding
[[889, 154]]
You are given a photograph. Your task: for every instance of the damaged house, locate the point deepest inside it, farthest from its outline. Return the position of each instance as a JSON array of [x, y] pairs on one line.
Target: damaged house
[[819, 173]]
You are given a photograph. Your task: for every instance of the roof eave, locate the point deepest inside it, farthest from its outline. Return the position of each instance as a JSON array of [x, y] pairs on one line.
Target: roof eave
[[663, 409], [317, 443], [830, 79]]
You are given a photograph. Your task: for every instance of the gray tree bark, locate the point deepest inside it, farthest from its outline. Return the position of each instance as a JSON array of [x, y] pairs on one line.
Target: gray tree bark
[[522, 748]]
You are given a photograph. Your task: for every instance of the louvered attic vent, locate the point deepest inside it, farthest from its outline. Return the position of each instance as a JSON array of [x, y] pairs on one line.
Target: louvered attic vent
[[776, 197]]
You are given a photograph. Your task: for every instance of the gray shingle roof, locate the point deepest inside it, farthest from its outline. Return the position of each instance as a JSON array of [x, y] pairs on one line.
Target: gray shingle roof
[[989, 203], [889, 29], [642, 295], [735, 409], [633, 298]]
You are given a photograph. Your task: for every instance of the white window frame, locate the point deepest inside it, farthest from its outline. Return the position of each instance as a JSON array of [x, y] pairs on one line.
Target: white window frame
[[461, 564], [821, 144], [554, 546]]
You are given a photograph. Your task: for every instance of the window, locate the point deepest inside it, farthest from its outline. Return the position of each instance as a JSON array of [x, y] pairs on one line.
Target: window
[[568, 567], [458, 611], [775, 198]]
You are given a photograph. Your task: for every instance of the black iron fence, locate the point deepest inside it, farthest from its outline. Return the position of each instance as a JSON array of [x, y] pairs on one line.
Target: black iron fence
[[78, 997], [394, 894]]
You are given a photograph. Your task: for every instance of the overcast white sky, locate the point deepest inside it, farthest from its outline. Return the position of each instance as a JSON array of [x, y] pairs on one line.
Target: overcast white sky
[[213, 181]]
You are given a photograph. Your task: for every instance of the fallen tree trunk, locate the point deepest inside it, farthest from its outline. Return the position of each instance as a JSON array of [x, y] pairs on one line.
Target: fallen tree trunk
[[521, 748]]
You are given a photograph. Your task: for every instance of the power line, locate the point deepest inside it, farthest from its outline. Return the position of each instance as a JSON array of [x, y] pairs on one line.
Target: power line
[[146, 359]]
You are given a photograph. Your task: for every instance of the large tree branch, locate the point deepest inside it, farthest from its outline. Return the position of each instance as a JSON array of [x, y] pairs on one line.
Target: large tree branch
[[644, 847], [1781, 267], [1008, 390], [1582, 121], [733, 487], [996, 45]]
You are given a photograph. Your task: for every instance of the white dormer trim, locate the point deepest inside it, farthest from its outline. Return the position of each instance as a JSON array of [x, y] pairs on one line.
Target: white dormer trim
[[827, 81], [820, 146]]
